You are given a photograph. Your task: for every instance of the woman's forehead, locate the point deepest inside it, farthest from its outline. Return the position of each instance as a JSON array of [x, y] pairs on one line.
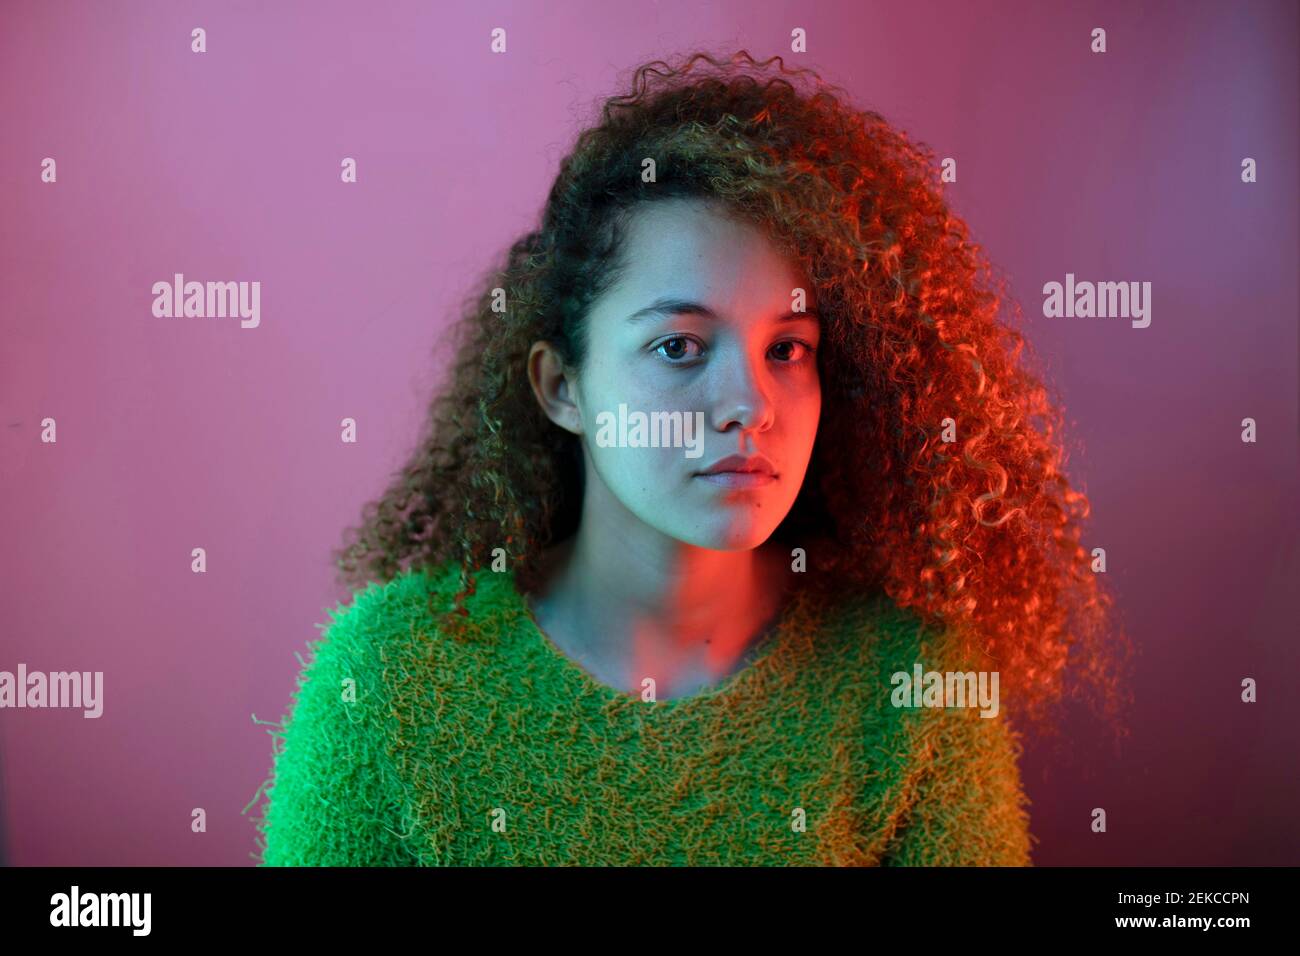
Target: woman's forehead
[[693, 252]]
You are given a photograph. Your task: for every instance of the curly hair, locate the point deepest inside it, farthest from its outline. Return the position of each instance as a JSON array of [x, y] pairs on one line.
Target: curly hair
[[980, 535]]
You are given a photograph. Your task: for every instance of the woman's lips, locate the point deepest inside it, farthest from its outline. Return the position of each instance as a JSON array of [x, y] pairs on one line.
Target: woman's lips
[[740, 472], [738, 479]]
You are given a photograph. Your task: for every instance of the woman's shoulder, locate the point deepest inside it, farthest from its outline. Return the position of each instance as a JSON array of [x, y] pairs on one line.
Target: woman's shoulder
[[874, 626], [373, 653], [906, 664], [385, 622], [432, 588], [943, 722], [332, 776]]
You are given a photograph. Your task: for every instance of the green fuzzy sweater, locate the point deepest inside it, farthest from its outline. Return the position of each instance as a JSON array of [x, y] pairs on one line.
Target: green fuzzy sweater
[[408, 748]]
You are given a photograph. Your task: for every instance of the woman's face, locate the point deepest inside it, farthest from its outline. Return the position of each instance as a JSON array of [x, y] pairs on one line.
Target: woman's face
[[707, 342]]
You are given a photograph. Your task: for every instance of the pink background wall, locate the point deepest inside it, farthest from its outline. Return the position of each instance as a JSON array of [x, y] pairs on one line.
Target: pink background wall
[[177, 433]]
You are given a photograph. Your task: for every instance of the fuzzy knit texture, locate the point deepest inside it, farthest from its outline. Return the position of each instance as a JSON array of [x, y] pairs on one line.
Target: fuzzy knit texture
[[495, 749]]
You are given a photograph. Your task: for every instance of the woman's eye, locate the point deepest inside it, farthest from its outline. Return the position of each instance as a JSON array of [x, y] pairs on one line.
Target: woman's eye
[[675, 348], [799, 351]]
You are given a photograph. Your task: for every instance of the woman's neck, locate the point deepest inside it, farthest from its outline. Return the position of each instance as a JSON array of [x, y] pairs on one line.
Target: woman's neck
[[685, 618]]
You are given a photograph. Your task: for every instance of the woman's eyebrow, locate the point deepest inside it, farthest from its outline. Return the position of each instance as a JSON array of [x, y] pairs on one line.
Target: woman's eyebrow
[[669, 305]]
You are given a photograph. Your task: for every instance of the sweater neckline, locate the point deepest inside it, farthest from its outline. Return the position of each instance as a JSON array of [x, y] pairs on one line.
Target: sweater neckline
[[760, 650]]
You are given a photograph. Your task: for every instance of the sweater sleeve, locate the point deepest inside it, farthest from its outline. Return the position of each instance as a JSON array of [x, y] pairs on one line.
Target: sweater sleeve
[[969, 808], [330, 790]]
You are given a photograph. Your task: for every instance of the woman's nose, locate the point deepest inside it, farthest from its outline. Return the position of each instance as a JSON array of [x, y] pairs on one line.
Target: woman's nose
[[742, 395]]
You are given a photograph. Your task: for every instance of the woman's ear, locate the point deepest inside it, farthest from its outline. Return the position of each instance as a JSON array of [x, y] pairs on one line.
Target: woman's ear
[[554, 387]]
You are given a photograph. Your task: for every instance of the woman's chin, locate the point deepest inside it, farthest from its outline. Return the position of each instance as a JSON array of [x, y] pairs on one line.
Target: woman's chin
[[733, 538]]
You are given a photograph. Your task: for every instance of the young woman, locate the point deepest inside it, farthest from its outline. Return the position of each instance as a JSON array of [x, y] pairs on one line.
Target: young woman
[[737, 468]]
